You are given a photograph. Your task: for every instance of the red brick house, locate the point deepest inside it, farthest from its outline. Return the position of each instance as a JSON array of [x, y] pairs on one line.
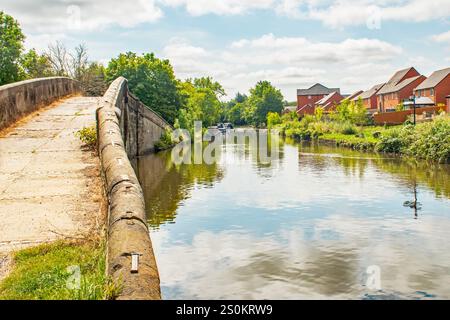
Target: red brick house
[[307, 98], [353, 96], [369, 97], [329, 102], [398, 89], [436, 87]]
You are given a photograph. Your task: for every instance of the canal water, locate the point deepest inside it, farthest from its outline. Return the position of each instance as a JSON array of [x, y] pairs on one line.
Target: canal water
[[318, 223]]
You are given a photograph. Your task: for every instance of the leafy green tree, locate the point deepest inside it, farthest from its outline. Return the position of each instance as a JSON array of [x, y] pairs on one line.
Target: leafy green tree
[[209, 83], [36, 65], [200, 102], [151, 79], [233, 110], [264, 98], [11, 48], [235, 114]]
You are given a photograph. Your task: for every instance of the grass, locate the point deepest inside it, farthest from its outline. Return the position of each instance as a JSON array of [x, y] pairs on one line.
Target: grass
[[43, 273]]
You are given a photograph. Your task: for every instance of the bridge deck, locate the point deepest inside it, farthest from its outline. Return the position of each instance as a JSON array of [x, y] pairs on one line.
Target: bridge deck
[[49, 187]]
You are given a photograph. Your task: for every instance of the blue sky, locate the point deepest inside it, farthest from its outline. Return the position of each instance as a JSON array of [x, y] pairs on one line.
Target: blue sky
[[292, 43]]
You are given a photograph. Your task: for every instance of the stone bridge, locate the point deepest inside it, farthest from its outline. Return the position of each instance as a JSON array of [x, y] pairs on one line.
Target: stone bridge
[[50, 188]]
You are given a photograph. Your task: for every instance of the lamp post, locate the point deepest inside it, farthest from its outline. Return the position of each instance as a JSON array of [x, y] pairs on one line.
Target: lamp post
[[413, 99]]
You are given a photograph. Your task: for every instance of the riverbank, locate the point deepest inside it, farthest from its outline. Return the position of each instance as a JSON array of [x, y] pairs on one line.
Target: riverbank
[[428, 141]]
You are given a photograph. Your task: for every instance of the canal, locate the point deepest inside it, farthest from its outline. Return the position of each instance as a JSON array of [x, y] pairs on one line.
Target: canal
[[319, 222]]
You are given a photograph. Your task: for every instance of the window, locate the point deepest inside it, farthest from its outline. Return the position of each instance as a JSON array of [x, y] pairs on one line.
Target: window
[[432, 92], [309, 97]]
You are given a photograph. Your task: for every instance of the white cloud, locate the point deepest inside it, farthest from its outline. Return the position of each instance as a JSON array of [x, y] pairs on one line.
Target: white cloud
[[288, 62], [43, 16], [341, 13], [219, 7], [442, 37]]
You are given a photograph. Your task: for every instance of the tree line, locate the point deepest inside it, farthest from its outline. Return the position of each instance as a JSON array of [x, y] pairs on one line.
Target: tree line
[[152, 80]]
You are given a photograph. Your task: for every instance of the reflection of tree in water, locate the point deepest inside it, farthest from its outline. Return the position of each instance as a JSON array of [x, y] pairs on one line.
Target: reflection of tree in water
[[407, 173], [411, 173], [166, 185]]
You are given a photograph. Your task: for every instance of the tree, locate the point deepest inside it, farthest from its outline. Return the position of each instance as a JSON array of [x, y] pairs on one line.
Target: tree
[[152, 80], [93, 80], [209, 83], [200, 102], [59, 58], [36, 65], [11, 48], [264, 98]]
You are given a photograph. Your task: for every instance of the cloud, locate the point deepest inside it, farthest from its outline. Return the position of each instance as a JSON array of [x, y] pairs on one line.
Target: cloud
[[442, 38], [342, 13], [219, 7], [44, 16], [288, 62]]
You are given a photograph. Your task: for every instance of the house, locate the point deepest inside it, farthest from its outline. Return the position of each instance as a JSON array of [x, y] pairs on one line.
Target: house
[[307, 98], [329, 102], [398, 89], [448, 104], [353, 96], [369, 97], [436, 87]]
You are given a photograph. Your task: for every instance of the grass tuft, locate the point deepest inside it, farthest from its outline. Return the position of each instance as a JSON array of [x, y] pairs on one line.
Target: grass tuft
[[43, 273]]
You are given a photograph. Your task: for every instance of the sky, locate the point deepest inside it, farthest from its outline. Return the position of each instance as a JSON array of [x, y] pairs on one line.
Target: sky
[[294, 44]]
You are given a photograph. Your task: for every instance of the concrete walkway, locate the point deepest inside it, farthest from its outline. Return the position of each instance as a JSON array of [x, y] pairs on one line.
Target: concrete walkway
[[49, 187]]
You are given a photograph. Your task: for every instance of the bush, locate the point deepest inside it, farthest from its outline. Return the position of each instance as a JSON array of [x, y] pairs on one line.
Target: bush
[[165, 142], [273, 119], [88, 135], [431, 141]]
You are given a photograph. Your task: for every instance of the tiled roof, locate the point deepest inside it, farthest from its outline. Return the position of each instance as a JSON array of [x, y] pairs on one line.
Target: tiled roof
[[316, 89], [391, 85], [325, 100], [389, 88], [369, 93], [434, 79], [354, 95]]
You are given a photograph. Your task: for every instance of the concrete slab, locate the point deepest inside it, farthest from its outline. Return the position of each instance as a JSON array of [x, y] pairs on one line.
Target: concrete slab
[[50, 187]]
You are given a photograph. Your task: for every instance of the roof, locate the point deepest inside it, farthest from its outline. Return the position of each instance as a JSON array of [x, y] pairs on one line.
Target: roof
[[389, 88], [369, 93], [317, 89], [435, 78], [391, 85], [354, 95], [325, 100]]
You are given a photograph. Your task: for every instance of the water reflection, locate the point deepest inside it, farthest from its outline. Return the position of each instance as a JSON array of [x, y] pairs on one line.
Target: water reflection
[[305, 226]]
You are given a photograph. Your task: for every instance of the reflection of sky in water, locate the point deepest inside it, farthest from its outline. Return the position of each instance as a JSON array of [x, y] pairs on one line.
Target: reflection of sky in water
[[305, 227]]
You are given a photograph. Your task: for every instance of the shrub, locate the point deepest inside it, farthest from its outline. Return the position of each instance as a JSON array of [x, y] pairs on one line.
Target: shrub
[[165, 142], [88, 135], [273, 119]]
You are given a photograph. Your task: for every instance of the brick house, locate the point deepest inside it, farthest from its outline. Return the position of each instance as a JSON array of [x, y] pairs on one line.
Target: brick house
[[329, 102], [398, 89], [436, 87], [369, 97], [353, 96], [307, 98]]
